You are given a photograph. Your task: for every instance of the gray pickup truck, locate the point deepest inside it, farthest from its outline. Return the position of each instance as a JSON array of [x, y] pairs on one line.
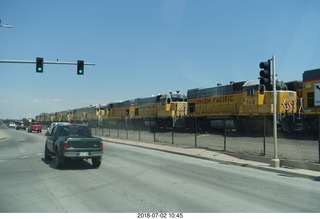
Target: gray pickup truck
[[72, 141]]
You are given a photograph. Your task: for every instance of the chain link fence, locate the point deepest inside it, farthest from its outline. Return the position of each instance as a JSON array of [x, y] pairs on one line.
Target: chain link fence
[[300, 147]]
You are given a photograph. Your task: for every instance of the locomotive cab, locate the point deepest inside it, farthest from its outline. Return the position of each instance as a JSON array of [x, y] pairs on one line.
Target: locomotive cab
[[173, 104]]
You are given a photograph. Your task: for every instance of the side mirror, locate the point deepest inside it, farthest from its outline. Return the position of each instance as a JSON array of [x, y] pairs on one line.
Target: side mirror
[[47, 134]]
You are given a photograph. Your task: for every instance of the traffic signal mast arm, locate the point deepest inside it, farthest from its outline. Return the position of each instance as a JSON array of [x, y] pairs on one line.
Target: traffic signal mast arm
[[40, 62], [44, 62]]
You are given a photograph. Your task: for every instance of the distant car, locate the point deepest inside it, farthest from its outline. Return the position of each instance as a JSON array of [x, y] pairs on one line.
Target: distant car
[[20, 125], [12, 125], [56, 123], [35, 126]]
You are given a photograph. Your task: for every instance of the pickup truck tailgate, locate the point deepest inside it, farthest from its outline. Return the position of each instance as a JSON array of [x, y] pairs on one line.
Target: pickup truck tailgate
[[91, 143]]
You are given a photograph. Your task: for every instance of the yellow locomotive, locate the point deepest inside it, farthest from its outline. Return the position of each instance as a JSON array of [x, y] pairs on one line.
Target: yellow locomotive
[[43, 118], [159, 110], [82, 115], [238, 105], [308, 102]]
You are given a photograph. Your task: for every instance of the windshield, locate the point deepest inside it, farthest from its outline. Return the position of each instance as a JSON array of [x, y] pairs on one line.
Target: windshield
[[74, 131]]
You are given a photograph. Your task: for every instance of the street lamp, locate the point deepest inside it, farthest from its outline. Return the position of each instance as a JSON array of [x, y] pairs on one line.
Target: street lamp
[[5, 25]]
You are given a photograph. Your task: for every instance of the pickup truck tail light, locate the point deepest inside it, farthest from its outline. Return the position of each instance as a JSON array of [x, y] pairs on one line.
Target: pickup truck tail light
[[65, 144], [101, 144]]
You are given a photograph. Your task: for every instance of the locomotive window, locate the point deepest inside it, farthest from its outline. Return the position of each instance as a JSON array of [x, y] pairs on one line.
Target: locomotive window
[[163, 101], [177, 99], [310, 100], [168, 100], [250, 92], [191, 107], [136, 112]]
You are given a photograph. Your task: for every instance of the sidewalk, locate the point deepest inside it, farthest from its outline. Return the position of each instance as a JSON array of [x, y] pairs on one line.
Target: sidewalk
[[219, 157]]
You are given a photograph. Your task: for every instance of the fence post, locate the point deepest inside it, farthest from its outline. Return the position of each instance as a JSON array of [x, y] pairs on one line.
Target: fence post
[[225, 135], [195, 131], [126, 119], [108, 121], [154, 129], [172, 130], [102, 127], [95, 129], [139, 129], [319, 138], [264, 136], [118, 127]]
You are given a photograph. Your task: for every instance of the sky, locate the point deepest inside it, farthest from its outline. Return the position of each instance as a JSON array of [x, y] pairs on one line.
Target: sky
[[142, 48]]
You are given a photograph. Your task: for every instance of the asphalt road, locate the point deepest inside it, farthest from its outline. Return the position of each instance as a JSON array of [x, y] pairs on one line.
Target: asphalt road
[[133, 179]]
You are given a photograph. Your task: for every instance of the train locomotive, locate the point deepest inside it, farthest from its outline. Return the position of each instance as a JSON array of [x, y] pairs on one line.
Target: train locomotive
[[238, 106], [308, 102], [81, 115], [160, 111]]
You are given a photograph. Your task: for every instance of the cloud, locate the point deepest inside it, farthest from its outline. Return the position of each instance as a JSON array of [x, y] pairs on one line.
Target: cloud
[[55, 100]]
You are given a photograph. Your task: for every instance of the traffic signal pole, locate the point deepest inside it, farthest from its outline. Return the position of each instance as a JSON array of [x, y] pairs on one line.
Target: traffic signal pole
[[275, 162], [269, 81]]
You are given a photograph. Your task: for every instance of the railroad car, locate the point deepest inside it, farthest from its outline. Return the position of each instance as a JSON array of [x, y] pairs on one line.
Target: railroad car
[[168, 109], [83, 115], [43, 118], [158, 111], [238, 105], [117, 112], [308, 102]]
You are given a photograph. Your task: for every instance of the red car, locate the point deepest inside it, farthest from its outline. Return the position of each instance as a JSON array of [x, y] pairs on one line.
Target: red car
[[35, 126]]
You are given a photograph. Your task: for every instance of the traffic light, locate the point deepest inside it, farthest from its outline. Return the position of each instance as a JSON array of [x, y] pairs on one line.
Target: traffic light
[[265, 74], [80, 67], [39, 64]]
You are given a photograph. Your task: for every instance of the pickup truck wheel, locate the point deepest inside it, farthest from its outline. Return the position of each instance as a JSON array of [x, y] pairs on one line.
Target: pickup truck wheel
[[47, 156], [96, 162], [57, 160]]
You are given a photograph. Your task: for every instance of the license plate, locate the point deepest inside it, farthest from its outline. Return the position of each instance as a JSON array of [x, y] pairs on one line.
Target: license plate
[[83, 154]]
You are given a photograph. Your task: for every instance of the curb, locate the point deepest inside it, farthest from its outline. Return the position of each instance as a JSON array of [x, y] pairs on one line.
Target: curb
[[2, 135]]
